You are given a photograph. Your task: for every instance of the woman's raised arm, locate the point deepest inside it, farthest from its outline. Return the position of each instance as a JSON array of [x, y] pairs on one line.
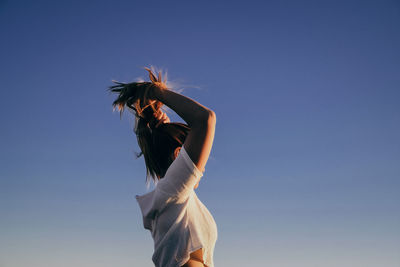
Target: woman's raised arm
[[200, 119]]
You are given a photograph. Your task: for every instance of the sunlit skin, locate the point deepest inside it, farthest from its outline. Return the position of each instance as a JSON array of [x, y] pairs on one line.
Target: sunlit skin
[[196, 259]]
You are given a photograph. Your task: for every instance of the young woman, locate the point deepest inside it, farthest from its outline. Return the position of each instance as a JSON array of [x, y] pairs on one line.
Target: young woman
[[183, 230]]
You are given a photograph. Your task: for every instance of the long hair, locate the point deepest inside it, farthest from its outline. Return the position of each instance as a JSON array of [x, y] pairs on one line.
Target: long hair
[[157, 144]]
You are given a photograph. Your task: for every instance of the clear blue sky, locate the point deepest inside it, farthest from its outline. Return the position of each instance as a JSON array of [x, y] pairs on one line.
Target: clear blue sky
[[305, 168]]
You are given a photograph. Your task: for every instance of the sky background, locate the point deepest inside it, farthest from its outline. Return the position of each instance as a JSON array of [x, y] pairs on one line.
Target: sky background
[[305, 167]]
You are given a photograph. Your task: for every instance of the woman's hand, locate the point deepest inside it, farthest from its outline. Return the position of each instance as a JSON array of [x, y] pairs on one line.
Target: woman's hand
[[139, 95]]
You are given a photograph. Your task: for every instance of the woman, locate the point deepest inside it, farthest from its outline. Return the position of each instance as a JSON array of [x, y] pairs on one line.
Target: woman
[[183, 230]]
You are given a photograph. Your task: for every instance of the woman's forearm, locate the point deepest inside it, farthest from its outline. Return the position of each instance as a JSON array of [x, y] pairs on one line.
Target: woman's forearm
[[192, 112]]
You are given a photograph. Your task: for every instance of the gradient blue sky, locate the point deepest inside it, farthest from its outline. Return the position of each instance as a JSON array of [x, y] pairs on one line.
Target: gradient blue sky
[[305, 168]]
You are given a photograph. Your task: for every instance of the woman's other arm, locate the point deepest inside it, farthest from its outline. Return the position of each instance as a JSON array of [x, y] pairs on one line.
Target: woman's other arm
[[200, 119]]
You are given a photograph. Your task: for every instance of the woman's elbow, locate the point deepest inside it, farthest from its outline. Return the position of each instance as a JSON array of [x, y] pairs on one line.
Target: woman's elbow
[[206, 117], [212, 117], [209, 117]]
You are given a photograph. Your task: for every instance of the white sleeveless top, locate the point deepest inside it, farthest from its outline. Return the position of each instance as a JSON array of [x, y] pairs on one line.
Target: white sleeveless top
[[178, 221]]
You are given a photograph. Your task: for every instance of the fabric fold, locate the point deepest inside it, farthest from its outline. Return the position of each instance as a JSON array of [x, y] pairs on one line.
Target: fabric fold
[[178, 221]]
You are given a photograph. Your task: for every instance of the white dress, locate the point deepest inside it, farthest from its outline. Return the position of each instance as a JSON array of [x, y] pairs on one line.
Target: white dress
[[178, 221]]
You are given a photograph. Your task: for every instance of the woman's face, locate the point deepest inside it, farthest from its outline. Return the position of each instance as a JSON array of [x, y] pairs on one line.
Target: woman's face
[[161, 117]]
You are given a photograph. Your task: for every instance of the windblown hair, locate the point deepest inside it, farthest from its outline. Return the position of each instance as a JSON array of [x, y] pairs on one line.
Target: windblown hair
[[157, 144]]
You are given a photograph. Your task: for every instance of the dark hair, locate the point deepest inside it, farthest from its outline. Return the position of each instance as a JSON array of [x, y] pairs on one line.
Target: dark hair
[[157, 144]]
